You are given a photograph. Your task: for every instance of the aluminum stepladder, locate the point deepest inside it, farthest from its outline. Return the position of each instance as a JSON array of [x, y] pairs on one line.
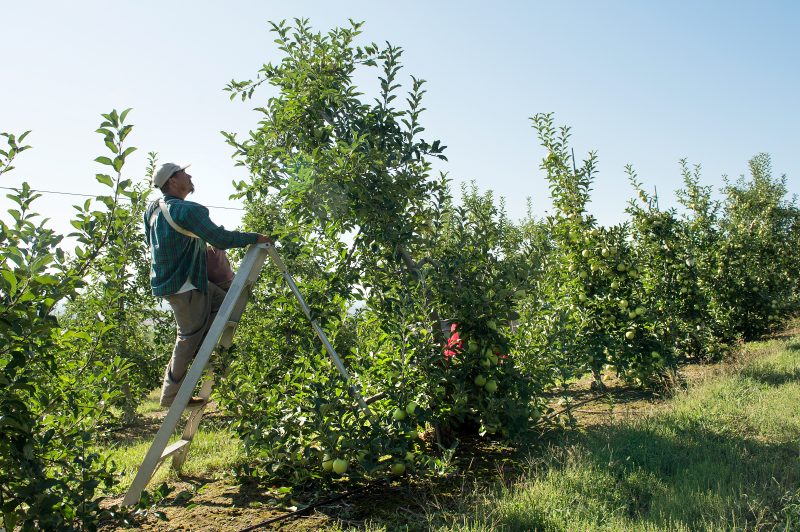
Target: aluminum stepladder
[[221, 333]]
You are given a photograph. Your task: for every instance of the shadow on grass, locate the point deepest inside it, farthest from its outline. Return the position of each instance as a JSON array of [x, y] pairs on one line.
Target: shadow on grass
[[672, 471], [386, 501], [665, 474], [772, 376]]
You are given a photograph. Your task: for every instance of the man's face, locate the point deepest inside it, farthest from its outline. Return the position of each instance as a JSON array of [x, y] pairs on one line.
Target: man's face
[[182, 183]]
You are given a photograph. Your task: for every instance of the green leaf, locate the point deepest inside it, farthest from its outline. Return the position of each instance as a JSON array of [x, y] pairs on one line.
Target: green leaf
[[105, 179], [104, 160], [11, 279]]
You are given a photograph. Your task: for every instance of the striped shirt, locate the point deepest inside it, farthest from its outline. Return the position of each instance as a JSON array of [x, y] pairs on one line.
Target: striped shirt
[[177, 258]]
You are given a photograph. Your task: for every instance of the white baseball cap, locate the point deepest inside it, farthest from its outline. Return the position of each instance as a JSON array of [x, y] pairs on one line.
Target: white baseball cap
[[166, 171]]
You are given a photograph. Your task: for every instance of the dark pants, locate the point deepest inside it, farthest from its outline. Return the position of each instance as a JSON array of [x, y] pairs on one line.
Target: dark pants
[[194, 312]]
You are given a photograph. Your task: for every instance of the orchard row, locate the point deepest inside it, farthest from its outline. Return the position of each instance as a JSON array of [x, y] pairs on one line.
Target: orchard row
[[456, 318]]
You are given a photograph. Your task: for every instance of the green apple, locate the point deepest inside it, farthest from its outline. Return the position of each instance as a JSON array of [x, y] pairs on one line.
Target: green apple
[[327, 463], [491, 386], [604, 252], [630, 335], [411, 407], [480, 380], [399, 414], [614, 284], [623, 304], [339, 466], [485, 362], [585, 253], [398, 468]]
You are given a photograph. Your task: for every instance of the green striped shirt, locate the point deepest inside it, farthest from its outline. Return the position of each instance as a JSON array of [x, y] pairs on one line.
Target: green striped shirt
[[176, 258]]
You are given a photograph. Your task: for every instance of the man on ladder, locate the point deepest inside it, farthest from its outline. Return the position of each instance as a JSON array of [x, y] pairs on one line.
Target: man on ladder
[[177, 231]]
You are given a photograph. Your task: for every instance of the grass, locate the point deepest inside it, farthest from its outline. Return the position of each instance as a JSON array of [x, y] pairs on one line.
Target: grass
[[150, 405], [214, 451], [721, 456]]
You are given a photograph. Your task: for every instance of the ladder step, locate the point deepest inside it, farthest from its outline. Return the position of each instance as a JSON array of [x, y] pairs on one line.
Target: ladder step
[[174, 448]]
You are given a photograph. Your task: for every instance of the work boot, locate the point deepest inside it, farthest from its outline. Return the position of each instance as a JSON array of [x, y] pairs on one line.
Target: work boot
[[194, 402]]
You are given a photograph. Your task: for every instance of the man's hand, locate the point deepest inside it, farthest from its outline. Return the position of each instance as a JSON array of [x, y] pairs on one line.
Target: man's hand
[[264, 239]]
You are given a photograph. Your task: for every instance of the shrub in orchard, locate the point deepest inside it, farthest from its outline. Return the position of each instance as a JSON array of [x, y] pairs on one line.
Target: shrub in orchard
[[555, 328], [117, 310], [473, 282], [585, 317], [290, 406], [757, 273], [52, 403], [702, 237], [668, 285], [352, 204]]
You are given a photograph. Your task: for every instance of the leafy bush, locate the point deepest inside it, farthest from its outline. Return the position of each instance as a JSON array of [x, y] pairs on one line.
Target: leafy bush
[[51, 401]]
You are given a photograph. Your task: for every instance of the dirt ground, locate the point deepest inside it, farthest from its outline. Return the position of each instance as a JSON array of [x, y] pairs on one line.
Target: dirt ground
[[205, 504]]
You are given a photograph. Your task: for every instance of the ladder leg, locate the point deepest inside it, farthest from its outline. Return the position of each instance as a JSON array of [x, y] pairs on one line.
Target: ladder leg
[[276, 259], [193, 423]]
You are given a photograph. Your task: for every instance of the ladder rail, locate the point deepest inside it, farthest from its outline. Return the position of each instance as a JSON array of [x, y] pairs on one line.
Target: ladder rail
[[253, 261], [337, 361], [193, 423]]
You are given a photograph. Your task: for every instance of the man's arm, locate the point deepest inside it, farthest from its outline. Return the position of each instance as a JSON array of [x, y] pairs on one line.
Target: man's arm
[[195, 218]]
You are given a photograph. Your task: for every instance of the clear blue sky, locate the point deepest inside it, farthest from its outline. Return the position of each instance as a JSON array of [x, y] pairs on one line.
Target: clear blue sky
[[644, 83]]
